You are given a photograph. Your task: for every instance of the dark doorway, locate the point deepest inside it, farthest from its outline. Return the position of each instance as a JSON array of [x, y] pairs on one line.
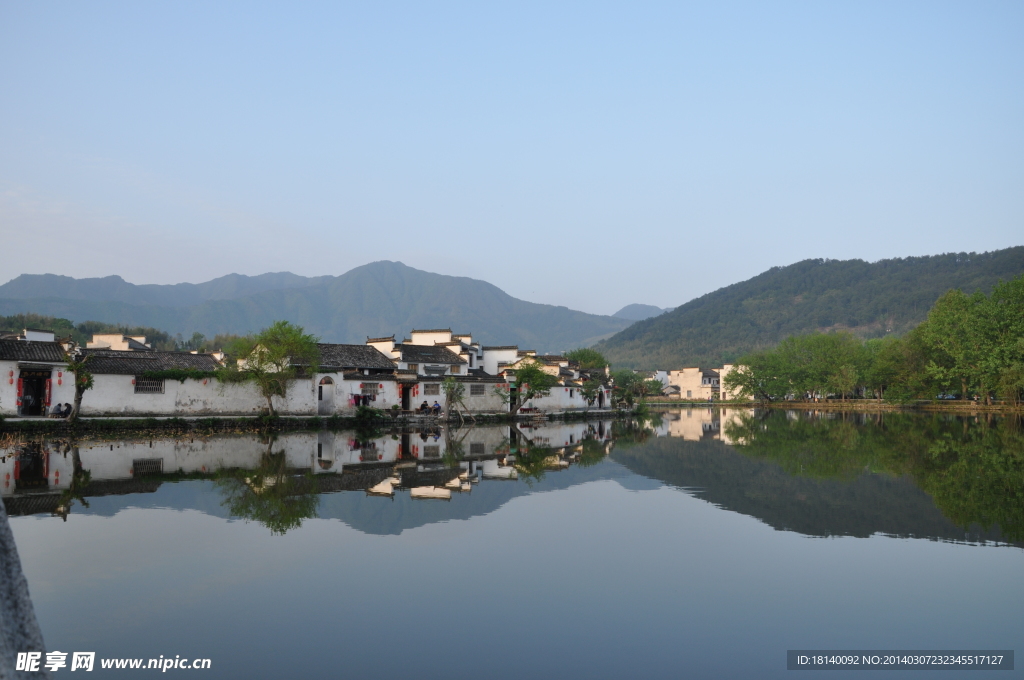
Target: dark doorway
[[600, 399], [406, 445], [406, 397], [30, 468], [33, 392]]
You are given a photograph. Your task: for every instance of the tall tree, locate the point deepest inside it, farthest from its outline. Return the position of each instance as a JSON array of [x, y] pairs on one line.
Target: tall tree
[[278, 355], [532, 381], [83, 381]]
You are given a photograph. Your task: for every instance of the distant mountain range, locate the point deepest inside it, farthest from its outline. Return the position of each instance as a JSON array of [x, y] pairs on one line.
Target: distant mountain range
[[868, 299], [376, 299], [638, 312]]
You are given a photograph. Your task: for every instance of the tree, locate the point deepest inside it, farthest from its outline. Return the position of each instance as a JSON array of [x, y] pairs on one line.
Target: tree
[[591, 389], [278, 355], [631, 387], [882, 359], [454, 394], [955, 341], [587, 358], [532, 381], [83, 381]]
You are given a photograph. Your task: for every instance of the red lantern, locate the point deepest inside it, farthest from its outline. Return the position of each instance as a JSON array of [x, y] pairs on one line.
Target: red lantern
[[133, 381], [60, 374]]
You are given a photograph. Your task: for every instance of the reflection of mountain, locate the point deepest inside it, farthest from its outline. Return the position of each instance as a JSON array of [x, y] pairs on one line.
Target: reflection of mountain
[[865, 505]]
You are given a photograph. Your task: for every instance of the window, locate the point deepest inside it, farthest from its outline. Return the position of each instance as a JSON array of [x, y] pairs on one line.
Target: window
[[477, 390], [477, 449], [147, 466], [413, 367], [148, 386], [432, 389], [370, 390], [689, 394], [456, 369], [433, 451], [570, 394]]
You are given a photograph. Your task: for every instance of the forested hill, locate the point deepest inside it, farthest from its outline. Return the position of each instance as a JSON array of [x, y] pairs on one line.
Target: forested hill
[[376, 299], [868, 299]]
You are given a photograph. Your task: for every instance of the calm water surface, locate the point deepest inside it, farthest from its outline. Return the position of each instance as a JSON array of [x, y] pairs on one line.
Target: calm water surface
[[703, 544]]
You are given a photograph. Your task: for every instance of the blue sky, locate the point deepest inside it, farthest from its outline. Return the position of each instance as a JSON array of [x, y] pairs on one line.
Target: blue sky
[[591, 154]]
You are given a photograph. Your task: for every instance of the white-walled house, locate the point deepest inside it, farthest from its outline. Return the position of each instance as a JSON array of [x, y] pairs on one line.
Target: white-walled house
[[34, 376]]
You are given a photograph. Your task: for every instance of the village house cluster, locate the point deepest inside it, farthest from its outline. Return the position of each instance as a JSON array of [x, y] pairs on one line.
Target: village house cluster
[[383, 373]]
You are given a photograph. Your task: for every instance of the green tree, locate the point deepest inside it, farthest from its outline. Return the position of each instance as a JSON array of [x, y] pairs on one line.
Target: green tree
[[588, 358], [532, 381], [454, 397], [956, 341], [276, 356], [83, 381]]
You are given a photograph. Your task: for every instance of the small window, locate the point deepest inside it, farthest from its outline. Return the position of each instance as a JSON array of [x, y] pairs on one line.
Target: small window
[[432, 389], [148, 386], [142, 467], [413, 367], [570, 394], [433, 451], [689, 394], [477, 390], [456, 369], [477, 449], [370, 390]]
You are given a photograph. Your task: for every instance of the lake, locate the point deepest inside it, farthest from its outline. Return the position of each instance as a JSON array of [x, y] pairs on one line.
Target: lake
[[702, 543]]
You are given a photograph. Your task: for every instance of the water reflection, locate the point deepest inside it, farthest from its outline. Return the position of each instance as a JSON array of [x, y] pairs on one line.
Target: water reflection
[[821, 474]]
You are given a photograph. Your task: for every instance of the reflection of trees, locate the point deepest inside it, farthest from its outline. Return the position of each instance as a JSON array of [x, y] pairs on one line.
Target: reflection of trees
[[972, 469], [531, 461], [76, 491], [270, 494]]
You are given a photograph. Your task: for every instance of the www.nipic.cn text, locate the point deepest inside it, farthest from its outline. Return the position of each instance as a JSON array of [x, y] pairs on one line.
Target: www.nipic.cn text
[[84, 661]]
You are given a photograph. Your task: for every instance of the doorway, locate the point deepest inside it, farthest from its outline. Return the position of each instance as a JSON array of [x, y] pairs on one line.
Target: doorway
[[33, 392], [325, 397], [406, 397]]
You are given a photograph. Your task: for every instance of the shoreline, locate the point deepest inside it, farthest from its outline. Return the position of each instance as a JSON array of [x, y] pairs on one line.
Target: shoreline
[[278, 423], [866, 405]]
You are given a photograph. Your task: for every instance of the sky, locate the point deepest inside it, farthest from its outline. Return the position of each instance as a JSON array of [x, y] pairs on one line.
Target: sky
[[584, 154]]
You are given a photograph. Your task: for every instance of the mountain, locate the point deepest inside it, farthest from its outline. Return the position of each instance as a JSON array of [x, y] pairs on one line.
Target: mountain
[[377, 299], [868, 299], [638, 312]]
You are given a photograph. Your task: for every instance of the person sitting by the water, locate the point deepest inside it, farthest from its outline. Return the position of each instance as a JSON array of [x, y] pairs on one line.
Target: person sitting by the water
[[56, 410], [424, 407], [437, 409], [67, 411]]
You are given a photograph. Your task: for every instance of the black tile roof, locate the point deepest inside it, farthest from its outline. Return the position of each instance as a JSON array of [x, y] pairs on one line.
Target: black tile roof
[[377, 378], [487, 347], [353, 356], [137, 346], [709, 373], [113, 362], [478, 375], [422, 354], [390, 337], [28, 350], [431, 330]]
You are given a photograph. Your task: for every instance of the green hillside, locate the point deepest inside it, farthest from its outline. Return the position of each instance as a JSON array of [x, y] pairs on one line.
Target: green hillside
[[868, 299], [377, 299]]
